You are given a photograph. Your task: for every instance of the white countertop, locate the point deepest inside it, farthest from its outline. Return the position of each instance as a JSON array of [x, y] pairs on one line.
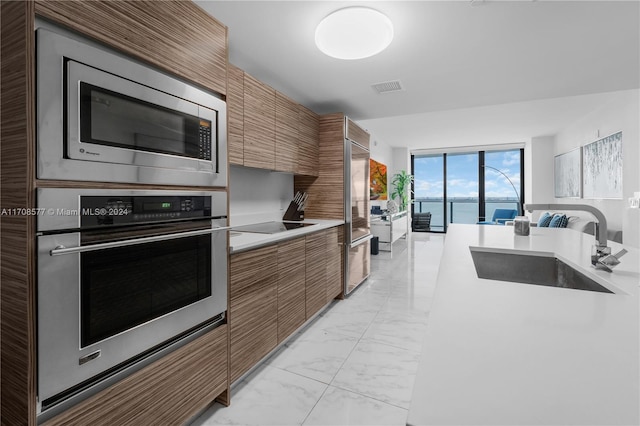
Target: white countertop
[[503, 353], [242, 241]]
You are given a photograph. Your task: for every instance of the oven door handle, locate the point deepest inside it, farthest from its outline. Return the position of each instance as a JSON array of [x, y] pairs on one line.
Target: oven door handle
[[60, 250]]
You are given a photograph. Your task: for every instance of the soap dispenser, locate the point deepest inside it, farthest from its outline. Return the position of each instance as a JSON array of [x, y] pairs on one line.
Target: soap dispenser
[[521, 225]]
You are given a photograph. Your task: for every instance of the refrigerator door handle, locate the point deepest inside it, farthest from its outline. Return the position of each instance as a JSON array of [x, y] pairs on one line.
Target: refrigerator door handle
[[361, 240]]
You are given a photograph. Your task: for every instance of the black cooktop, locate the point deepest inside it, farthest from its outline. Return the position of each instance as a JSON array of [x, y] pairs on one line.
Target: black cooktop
[[270, 227]]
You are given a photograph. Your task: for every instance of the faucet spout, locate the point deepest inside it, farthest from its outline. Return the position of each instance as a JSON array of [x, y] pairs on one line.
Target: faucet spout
[[601, 225], [601, 257]]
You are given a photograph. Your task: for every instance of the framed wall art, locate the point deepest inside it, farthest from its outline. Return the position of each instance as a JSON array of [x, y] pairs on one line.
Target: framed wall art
[[378, 180], [602, 168], [567, 174]]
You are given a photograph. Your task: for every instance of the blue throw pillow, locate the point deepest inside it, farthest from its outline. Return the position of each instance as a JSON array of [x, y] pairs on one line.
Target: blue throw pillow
[[559, 221], [544, 220]]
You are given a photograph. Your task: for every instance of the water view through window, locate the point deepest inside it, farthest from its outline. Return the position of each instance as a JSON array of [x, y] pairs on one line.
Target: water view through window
[[449, 186]]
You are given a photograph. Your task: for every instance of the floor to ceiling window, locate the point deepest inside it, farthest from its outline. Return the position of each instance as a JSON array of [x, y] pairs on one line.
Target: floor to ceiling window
[[428, 188], [466, 187], [462, 188], [502, 176]]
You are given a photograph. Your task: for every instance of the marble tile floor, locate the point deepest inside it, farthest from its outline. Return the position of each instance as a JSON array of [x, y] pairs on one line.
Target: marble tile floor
[[355, 363]]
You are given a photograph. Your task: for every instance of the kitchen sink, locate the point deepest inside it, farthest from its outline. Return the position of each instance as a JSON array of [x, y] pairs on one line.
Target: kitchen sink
[[531, 269]]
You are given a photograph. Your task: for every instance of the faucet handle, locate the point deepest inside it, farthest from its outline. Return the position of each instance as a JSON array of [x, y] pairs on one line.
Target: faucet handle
[[612, 260]]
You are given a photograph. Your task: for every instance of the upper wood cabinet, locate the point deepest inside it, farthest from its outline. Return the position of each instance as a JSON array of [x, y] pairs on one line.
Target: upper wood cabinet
[[268, 130], [286, 134], [175, 35], [308, 151], [235, 115], [259, 124]]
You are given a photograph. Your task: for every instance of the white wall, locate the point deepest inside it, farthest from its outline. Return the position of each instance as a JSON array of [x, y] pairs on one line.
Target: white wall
[[538, 170], [622, 113], [258, 195]]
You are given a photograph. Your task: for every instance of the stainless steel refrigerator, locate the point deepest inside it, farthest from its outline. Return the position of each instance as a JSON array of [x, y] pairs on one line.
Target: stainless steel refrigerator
[[357, 230]]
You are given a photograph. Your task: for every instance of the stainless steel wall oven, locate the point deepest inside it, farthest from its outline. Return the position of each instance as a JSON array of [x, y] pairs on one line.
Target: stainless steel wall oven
[[104, 117], [122, 273]]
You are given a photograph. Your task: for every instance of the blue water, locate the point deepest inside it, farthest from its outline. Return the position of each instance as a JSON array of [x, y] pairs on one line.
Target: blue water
[[462, 211]]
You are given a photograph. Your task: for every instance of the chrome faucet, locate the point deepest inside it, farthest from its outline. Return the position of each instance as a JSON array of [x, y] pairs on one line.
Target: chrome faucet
[[601, 257]]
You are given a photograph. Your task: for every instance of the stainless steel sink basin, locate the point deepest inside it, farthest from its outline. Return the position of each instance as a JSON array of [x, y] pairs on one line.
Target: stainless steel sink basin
[[531, 269]]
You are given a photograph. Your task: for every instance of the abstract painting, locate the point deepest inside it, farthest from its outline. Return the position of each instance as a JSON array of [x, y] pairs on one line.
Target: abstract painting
[[378, 180], [602, 168], [567, 170]]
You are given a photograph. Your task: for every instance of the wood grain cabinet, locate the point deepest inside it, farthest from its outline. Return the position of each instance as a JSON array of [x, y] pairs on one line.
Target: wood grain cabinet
[[178, 38], [334, 237], [308, 149], [253, 311], [275, 289], [291, 287], [357, 133], [286, 134], [235, 115], [316, 281], [169, 391], [268, 130], [175, 35], [259, 124]]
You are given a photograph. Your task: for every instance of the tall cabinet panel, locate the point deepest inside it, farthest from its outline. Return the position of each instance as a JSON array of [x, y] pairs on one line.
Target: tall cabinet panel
[[259, 124], [341, 190], [178, 38], [235, 115], [253, 303], [291, 286]]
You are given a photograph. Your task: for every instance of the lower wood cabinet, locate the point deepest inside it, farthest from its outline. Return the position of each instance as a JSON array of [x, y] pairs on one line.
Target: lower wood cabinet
[[291, 287], [334, 263], [275, 289], [253, 314], [169, 391], [316, 275]]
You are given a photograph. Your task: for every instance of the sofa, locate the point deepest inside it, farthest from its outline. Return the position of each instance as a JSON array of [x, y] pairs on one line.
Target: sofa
[[586, 225]]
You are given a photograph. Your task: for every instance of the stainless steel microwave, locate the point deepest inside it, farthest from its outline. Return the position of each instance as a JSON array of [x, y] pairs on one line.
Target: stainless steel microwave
[[105, 117]]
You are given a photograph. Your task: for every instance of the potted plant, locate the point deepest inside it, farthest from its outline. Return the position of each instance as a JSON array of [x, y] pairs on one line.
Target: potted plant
[[402, 185]]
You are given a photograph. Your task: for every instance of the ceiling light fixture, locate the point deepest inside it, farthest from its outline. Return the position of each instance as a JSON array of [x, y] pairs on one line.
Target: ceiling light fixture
[[354, 33]]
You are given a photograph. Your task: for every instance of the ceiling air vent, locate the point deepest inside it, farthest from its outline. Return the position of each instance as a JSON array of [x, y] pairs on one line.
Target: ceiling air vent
[[387, 86]]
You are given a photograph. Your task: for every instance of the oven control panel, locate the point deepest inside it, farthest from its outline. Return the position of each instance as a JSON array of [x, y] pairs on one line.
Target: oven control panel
[[114, 210]]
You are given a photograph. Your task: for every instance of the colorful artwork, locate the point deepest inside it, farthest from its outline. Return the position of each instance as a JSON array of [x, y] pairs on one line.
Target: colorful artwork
[[602, 168], [378, 178]]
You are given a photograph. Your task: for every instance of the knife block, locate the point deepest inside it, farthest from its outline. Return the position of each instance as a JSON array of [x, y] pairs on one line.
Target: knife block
[[292, 213]]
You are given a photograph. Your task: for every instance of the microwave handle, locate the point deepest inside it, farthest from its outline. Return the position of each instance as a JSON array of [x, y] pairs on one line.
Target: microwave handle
[[60, 250]]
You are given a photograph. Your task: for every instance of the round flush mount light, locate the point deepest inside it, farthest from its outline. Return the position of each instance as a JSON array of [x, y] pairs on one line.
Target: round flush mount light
[[354, 33]]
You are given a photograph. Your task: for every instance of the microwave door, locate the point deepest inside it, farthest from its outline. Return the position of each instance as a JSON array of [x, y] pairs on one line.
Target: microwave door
[[114, 120]]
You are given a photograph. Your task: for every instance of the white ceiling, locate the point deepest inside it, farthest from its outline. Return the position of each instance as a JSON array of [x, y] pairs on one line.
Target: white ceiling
[[473, 72]]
